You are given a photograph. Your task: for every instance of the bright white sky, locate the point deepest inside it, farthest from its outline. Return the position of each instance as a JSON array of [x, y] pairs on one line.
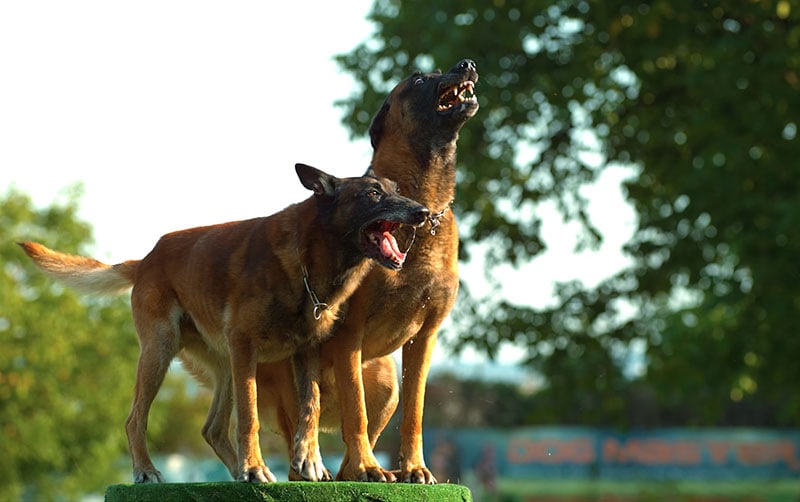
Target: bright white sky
[[175, 114]]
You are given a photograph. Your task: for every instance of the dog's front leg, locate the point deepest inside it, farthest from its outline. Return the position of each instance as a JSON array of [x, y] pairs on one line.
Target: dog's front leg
[[416, 363], [359, 462], [306, 458], [252, 468]]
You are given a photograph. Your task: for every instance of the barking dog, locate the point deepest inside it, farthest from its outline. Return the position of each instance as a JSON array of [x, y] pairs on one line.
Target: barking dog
[[239, 293], [414, 138]]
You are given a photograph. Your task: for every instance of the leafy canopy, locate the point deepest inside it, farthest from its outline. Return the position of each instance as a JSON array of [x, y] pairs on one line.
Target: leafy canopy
[[701, 100], [67, 370]]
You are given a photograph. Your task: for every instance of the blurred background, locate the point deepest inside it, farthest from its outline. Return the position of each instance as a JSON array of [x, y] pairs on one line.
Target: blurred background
[[627, 202]]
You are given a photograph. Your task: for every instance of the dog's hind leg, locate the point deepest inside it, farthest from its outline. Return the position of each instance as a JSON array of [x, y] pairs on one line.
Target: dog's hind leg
[[158, 345], [381, 394], [306, 457], [216, 430]]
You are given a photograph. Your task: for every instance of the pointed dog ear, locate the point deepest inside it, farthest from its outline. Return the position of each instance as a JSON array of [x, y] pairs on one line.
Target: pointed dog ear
[[376, 127], [319, 182], [370, 172]]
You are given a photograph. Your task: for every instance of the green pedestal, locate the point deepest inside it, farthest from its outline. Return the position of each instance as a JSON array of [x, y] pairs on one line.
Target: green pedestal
[[288, 492]]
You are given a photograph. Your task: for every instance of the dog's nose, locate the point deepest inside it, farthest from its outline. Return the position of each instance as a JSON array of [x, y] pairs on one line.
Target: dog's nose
[[422, 214], [467, 65]]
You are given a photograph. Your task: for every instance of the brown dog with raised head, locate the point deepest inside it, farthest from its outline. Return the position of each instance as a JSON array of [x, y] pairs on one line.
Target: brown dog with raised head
[[236, 294], [414, 138]]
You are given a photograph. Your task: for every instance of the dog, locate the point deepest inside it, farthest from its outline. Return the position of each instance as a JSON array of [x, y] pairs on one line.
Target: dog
[[235, 294], [414, 137]]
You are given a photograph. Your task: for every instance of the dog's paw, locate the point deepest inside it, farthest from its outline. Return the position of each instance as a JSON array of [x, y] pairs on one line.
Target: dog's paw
[[307, 463], [147, 476], [419, 475], [257, 474], [318, 473], [377, 475], [373, 474]]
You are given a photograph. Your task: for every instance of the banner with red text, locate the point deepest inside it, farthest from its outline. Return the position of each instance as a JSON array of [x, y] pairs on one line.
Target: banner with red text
[[602, 453]]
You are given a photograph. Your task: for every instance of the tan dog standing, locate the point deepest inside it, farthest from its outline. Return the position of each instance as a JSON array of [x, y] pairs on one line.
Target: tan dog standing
[[239, 293], [414, 138]]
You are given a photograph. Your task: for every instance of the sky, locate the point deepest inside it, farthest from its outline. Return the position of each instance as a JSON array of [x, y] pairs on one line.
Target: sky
[[174, 114]]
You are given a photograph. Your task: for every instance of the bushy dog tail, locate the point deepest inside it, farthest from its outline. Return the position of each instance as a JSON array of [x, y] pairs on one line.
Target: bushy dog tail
[[85, 275]]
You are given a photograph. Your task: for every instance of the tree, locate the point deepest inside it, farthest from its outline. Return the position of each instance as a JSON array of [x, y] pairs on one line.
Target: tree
[[62, 365], [453, 402], [701, 100], [67, 370]]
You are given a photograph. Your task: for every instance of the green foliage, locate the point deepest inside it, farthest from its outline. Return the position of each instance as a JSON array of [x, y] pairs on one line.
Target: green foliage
[[177, 416], [63, 365], [702, 99], [67, 370], [452, 402]]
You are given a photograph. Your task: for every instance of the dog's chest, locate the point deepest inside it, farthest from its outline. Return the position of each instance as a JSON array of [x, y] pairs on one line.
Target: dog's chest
[[405, 307], [283, 335]]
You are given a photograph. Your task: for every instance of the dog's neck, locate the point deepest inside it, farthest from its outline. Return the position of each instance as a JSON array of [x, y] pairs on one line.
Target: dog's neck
[[326, 278], [319, 306], [430, 180]]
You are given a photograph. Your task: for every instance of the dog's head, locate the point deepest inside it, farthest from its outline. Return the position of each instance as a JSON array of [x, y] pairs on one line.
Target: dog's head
[[429, 107], [364, 212]]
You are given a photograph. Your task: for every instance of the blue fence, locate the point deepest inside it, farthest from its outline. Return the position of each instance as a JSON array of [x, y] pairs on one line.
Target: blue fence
[[547, 452]]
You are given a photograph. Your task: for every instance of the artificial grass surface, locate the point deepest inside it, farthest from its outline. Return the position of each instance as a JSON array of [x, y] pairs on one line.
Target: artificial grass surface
[[344, 491]]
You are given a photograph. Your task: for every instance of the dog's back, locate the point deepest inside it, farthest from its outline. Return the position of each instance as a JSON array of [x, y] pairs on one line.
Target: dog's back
[[203, 275]]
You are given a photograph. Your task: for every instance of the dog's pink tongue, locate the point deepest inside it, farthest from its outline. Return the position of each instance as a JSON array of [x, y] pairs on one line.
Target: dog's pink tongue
[[389, 248]]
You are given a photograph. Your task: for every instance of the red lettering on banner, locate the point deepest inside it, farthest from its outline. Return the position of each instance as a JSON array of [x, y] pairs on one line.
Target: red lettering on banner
[[516, 453], [651, 452], [768, 453], [754, 454], [664, 452], [522, 450], [789, 454], [718, 451], [758, 453], [687, 453], [582, 451], [611, 448]]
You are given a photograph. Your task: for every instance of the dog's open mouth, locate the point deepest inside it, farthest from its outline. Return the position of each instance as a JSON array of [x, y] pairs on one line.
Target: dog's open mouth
[[380, 244], [450, 96]]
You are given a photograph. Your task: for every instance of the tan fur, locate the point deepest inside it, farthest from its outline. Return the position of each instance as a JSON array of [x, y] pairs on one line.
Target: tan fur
[[232, 295], [86, 275], [390, 311]]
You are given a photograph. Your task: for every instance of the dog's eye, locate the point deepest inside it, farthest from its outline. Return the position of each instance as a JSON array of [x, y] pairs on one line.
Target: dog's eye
[[419, 81], [374, 194]]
